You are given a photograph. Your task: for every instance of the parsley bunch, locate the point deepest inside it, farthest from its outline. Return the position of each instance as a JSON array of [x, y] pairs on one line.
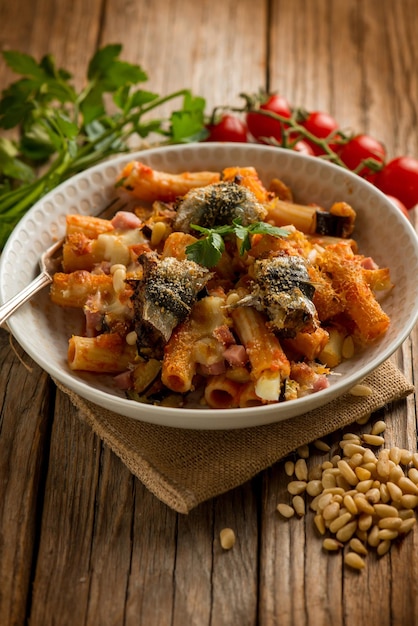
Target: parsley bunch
[[58, 131], [208, 249]]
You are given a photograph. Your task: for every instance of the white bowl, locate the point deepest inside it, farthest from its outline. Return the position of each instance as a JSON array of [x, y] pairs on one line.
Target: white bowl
[[43, 329]]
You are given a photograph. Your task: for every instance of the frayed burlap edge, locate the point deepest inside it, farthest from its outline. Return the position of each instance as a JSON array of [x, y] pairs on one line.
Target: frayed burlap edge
[[185, 467]]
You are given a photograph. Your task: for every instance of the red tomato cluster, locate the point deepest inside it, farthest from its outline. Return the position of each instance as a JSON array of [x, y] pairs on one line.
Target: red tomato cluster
[[361, 153]]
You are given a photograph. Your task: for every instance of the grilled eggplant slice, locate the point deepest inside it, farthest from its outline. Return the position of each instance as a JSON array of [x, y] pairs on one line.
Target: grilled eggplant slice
[[163, 298], [216, 205], [282, 288]]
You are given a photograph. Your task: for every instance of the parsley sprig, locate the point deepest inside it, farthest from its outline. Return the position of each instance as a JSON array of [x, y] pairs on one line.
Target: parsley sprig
[[208, 249], [57, 131]]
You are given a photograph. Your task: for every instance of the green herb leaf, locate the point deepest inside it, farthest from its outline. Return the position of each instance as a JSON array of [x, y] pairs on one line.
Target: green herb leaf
[[208, 250]]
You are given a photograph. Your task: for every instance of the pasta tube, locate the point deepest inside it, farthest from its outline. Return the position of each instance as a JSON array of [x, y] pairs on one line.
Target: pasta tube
[[269, 364], [149, 185], [107, 353]]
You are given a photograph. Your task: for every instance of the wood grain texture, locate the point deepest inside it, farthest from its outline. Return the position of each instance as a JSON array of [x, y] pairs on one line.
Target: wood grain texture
[[81, 540]]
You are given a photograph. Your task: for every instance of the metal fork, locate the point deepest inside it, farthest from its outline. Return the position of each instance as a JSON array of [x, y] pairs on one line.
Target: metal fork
[[49, 263]]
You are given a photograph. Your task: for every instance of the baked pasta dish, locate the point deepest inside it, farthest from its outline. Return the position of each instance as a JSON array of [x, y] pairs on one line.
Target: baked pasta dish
[[217, 289]]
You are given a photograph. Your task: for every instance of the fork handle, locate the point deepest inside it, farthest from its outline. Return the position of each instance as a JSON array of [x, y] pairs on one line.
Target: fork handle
[[20, 298]]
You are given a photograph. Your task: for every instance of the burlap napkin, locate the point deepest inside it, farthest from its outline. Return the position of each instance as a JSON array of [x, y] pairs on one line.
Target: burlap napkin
[[186, 467]]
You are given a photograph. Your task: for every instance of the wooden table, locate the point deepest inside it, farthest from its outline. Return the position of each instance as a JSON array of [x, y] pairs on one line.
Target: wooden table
[[81, 540]]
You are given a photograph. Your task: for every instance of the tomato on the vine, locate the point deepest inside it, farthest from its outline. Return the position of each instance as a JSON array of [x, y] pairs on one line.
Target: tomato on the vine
[[228, 128], [399, 178], [320, 125], [360, 148], [303, 147], [400, 205], [264, 127]]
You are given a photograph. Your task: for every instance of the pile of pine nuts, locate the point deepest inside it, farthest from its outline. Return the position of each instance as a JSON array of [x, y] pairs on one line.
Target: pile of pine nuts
[[361, 500]]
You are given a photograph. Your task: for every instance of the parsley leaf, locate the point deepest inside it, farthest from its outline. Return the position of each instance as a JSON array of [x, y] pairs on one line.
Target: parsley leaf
[[61, 131], [208, 249]]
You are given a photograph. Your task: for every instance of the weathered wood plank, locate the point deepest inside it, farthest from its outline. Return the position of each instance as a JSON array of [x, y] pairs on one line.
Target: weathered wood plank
[[24, 433]]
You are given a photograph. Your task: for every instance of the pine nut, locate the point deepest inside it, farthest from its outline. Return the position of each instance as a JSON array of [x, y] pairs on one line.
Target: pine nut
[[335, 460], [354, 560], [369, 456], [384, 493], [339, 522], [396, 473], [361, 534], [347, 472], [406, 513], [350, 437], [394, 491], [362, 474], [301, 470], [321, 445], [408, 486], [355, 462], [303, 451], [356, 545], [331, 545], [227, 538], [331, 511], [299, 505], [414, 459], [383, 547], [158, 233], [342, 483], [350, 504], [363, 505], [296, 487], [363, 420], [328, 480], [393, 523], [373, 440], [289, 468], [327, 465], [373, 495], [407, 525], [361, 391], [409, 501], [352, 448], [365, 521], [387, 533], [314, 488], [373, 537], [383, 469], [385, 510], [346, 532], [406, 457], [378, 428], [413, 475], [320, 524], [285, 510], [364, 485], [395, 454]]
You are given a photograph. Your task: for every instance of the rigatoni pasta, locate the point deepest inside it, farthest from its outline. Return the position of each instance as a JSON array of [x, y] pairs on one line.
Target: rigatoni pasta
[[206, 294]]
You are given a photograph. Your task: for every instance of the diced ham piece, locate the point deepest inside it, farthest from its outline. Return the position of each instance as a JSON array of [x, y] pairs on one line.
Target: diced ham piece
[[123, 380], [368, 264], [126, 220], [224, 335], [236, 355]]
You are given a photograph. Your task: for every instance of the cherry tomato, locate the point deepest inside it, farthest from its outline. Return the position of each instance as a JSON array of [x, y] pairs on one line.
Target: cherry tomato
[[229, 128], [358, 149], [320, 125], [399, 204], [303, 147], [399, 178], [261, 126]]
